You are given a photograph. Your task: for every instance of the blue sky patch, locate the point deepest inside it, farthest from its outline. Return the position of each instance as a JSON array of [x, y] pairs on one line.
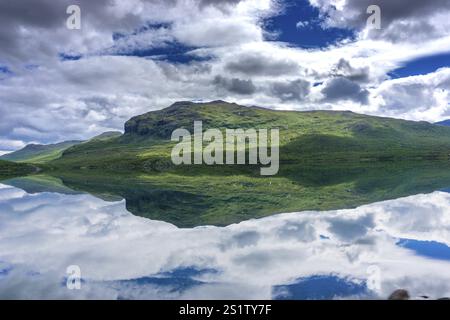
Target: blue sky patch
[[146, 27], [177, 280], [173, 52], [429, 249], [311, 34], [5, 271], [4, 69], [5, 72], [69, 57], [422, 65], [319, 287]]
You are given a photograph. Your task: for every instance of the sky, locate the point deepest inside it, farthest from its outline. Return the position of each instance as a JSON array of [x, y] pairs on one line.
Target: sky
[[134, 56]]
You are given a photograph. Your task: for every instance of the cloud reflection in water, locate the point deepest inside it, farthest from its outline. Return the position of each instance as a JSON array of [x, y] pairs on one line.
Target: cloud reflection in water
[[288, 255]]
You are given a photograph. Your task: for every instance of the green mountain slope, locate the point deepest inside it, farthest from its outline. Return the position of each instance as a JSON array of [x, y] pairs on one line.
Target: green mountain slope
[[329, 160], [305, 137], [39, 153], [105, 136]]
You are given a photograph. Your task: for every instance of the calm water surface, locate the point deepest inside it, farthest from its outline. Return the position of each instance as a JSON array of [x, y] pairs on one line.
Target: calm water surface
[[366, 252]]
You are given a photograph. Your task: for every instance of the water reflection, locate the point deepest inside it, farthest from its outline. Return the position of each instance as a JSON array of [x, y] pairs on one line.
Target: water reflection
[[307, 255], [198, 197]]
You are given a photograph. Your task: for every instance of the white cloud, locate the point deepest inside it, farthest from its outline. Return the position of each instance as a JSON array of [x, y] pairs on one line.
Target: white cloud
[[302, 24], [7, 144], [423, 97]]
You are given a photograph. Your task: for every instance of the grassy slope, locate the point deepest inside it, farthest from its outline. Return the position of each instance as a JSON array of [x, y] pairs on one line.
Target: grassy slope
[[329, 160], [304, 137], [41, 154], [33, 153]]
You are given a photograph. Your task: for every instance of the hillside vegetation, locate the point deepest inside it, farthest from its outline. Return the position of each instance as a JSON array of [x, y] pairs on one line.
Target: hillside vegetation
[[305, 137], [43, 153], [328, 160], [39, 153]]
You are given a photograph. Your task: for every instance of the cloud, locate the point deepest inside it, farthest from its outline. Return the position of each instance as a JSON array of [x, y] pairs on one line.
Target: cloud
[[79, 99], [341, 88], [294, 90], [10, 145], [218, 2], [302, 24], [217, 32], [235, 85], [401, 20], [351, 230], [423, 97], [260, 65], [35, 31], [344, 69]]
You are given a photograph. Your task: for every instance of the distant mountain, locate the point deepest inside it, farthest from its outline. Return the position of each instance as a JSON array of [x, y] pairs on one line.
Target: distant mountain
[[305, 136], [41, 153], [443, 123]]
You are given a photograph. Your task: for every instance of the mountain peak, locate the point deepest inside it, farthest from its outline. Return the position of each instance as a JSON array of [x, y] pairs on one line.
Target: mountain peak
[[181, 104], [182, 114], [191, 103]]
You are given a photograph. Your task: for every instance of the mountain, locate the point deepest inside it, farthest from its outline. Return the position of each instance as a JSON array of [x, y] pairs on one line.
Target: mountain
[[443, 123], [106, 136], [305, 137], [328, 160], [40, 153]]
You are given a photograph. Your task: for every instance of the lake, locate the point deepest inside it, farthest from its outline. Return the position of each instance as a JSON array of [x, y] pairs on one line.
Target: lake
[[366, 251]]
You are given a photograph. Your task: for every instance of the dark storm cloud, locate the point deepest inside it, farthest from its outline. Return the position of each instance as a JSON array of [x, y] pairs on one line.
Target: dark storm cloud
[[344, 69], [35, 30], [42, 14], [293, 90], [344, 89], [392, 10], [260, 65], [235, 85], [400, 19], [25, 14]]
